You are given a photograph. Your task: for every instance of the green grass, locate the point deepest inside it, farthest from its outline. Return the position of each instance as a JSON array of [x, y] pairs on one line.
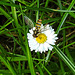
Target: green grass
[[15, 55]]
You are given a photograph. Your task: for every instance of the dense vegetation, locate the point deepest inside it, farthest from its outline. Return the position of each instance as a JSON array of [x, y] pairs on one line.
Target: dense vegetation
[[15, 55]]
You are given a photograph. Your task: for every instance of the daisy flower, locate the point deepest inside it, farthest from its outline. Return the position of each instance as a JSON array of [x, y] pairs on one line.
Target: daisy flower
[[44, 41]]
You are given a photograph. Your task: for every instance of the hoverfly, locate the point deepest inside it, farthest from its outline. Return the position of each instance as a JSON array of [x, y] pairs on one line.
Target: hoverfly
[[37, 29]]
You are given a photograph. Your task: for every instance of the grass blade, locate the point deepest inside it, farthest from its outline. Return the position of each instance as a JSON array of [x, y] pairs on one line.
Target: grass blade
[[65, 16], [65, 59]]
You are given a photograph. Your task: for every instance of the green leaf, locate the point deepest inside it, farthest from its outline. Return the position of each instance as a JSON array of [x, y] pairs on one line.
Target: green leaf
[[65, 59], [65, 16]]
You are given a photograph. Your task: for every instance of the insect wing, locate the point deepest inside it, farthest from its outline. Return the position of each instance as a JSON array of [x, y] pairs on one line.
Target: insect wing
[[44, 28], [28, 21]]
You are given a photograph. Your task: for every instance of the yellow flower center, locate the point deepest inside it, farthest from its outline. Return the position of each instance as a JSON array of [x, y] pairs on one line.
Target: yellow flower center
[[41, 38]]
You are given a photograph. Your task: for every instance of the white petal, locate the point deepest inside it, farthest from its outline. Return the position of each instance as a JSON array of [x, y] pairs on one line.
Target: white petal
[[51, 41], [41, 48], [55, 38], [29, 36], [41, 25], [54, 35], [32, 42], [50, 48], [51, 27], [36, 46], [47, 33], [31, 49], [34, 28], [31, 31], [47, 26], [45, 46], [37, 50]]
